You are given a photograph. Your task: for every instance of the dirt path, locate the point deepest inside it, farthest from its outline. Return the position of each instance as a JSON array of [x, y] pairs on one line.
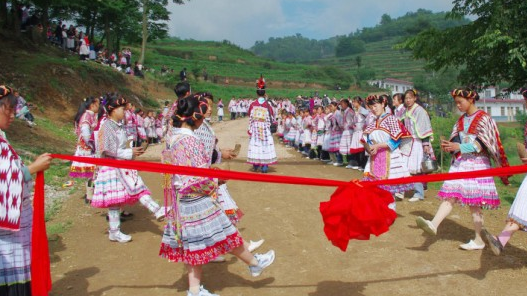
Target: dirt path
[[401, 262]]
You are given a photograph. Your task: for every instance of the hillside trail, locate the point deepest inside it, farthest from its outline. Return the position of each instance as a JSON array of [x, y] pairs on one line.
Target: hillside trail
[[400, 262]]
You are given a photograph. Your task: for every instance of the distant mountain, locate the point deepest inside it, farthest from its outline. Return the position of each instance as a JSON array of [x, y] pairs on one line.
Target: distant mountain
[[301, 49]]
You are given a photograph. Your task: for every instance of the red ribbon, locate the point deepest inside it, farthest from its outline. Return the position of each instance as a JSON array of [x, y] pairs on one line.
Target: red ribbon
[[40, 272], [343, 219]]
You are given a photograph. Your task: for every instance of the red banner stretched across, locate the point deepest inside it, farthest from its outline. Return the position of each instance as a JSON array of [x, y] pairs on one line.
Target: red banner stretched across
[[341, 218]]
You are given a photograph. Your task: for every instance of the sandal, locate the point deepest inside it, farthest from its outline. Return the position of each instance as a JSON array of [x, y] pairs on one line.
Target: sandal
[[495, 245]]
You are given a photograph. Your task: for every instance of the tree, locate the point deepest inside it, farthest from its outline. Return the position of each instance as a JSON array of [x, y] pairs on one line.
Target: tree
[[154, 20], [348, 46], [358, 61], [385, 19], [489, 50]]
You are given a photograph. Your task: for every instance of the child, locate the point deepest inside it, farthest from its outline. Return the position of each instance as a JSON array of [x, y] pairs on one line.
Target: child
[[388, 140], [220, 110], [198, 230], [116, 187], [85, 123], [474, 140], [517, 218]]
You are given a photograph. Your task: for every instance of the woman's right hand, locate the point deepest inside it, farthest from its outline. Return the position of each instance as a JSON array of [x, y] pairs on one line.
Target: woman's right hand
[[40, 164], [137, 151]]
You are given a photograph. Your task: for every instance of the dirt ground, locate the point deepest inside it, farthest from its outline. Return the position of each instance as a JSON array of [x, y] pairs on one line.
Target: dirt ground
[[403, 261]]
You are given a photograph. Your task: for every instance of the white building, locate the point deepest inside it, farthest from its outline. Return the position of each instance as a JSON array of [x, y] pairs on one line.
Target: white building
[[501, 106], [395, 85]]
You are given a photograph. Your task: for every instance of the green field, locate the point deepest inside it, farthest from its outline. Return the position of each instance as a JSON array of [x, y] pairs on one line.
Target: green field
[[383, 58]]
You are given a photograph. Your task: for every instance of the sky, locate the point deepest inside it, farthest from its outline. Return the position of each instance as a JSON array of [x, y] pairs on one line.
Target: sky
[[244, 22]]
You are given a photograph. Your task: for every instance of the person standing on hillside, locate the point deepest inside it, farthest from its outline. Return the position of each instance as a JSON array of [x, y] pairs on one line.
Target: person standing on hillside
[[16, 206], [183, 74], [261, 152]]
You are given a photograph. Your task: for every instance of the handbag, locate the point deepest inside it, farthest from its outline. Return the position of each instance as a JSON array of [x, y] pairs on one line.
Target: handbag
[[274, 125]]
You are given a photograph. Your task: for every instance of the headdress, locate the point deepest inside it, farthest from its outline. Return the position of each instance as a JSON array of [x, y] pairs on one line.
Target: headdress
[[199, 112], [112, 104], [4, 91], [523, 91], [465, 93]]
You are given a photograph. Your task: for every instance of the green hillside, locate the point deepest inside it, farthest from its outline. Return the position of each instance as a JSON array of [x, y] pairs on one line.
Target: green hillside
[[382, 58], [226, 62]]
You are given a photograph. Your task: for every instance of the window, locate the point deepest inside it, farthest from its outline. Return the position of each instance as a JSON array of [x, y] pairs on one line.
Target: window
[[489, 111], [396, 88], [488, 94], [517, 110], [503, 111]]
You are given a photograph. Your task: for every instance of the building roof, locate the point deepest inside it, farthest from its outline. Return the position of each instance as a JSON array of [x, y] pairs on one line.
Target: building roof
[[508, 101], [397, 81]]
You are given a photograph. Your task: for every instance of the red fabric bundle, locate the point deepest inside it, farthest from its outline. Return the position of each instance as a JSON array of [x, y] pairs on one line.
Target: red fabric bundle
[[356, 212]]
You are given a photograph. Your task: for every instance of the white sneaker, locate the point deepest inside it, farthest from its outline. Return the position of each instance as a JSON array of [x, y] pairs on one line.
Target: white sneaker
[[160, 214], [471, 245], [218, 259], [202, 292], [264, 260], [415, 198], [349, 166], [255, 245], [355, 167], [426, 225], [119, 237], [399, 196]]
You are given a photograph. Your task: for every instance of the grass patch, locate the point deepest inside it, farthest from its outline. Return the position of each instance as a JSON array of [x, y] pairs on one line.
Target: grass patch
[[58, 228]]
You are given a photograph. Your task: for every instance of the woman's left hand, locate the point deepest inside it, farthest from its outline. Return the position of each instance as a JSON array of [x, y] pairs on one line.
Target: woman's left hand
[[449, 146], [42, 163]]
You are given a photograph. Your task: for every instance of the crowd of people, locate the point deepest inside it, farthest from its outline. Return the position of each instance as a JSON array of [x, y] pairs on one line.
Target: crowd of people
[[385, 137]]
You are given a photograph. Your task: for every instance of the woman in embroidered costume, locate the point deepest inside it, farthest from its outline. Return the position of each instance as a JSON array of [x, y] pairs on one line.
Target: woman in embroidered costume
[[418, 123], [517, 217], [85, 123], [358, 155], [307, 123], [475, 139], [290, 130], [141, 132], [117, 187], [130, 122], [261, 152], [198, 229], [388, 140], [207, 136], [347, 130], [398, 104], [320, 129], [16, 210], [335, 134]]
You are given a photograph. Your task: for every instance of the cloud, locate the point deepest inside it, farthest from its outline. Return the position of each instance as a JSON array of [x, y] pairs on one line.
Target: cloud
[[245, 21]]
